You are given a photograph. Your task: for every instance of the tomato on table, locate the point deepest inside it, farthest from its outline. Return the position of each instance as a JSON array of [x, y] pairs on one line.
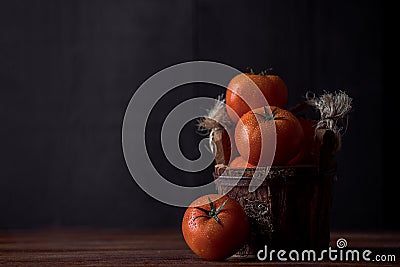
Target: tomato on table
[[215, 227]]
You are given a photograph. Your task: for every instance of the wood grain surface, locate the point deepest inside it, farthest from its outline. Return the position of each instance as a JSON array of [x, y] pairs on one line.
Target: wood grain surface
[[88, 247]]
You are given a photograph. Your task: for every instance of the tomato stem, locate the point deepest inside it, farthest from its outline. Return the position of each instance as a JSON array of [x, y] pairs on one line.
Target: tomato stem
[[269, 116], [263, 72], [213, 212]]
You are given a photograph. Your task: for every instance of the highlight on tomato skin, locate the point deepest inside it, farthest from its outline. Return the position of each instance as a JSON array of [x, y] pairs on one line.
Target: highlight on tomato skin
[[254, 132], [215, 227], [272, 87]]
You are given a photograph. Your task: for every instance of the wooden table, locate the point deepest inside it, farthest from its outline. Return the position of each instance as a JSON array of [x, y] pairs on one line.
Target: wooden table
[[158, 248]]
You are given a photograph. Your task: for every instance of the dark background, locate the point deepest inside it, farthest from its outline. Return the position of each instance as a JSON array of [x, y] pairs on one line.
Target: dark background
[[69, 68]]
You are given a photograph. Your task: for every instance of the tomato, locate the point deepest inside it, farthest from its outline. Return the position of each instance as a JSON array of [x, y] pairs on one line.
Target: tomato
[[272, 87], [308, 153], [289, 135], [215, 227], [240, 162]]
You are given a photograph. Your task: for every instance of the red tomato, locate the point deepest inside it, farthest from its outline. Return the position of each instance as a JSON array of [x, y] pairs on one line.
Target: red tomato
[[215, 227], [308, 153], [289, 135], [272, 87], [240, 162]]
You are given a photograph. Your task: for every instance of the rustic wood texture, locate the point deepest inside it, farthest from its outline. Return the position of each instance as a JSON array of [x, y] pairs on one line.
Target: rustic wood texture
[[160, 248], [291, 208]]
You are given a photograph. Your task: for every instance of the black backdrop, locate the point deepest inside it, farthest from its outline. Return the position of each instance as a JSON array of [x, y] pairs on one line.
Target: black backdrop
[[69, 68]]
